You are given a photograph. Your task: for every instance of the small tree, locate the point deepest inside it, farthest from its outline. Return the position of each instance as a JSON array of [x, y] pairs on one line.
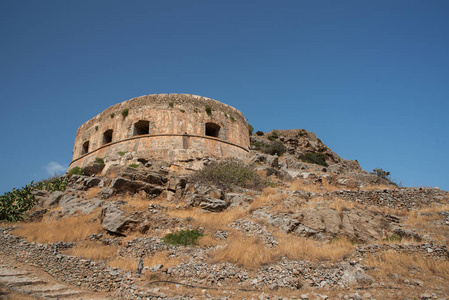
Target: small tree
[[381, 173]]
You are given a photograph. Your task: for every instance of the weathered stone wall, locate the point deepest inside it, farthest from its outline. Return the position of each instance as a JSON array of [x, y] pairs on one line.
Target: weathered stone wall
[[175, 130]]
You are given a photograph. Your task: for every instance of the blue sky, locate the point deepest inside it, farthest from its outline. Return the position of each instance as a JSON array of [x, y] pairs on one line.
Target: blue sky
[[370, 78]]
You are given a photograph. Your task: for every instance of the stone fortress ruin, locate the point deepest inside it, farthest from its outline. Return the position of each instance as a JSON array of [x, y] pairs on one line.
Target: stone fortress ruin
[[177, 128]]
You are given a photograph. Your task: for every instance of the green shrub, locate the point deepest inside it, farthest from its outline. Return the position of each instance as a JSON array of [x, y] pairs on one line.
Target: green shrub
[[208, 110], [183, 237], [275, 134], [395, 238], [228, 174], [99, 160], [112, 115], [75, 171], [258, 145], [259, 133], [96, 128], [125, 112], [182, 110], [196, 110], [135, 166], [275, 147], [171, 104], [270, 138], [250, 129], [232, 118], [121, 153], [314, 158], [13, 204]]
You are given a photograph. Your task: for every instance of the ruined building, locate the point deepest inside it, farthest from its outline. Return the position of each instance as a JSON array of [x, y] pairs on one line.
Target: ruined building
[[177, 128]]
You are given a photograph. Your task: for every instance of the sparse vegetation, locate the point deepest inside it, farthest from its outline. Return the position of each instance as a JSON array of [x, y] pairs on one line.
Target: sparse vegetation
[[275, 147], [227, 174], [183, 237], [259, 133], [125, 112], [171, 104], [135, 166], [232, 118], [208, 110], [275, 134], [96, 128], [112, 115], [250, 129], [99, 160], [182, 110], [314, 158], [75, 171], [121, 153]]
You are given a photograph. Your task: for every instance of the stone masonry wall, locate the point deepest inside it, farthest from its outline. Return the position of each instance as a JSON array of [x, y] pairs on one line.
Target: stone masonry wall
[[175, 122]]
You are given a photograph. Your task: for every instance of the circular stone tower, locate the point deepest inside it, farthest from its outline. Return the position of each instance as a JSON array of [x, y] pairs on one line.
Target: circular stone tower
[[177, 128]]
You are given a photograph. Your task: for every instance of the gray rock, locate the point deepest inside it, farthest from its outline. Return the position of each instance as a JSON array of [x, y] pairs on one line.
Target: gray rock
[[213, 204], [54, 199], [95, 168], [115, 220]]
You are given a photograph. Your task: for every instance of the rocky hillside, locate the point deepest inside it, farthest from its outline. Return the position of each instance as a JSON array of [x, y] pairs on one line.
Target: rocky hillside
[[305, 224]]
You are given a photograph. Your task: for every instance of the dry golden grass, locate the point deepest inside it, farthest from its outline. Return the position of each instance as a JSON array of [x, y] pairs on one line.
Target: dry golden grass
[[69, 229], [269, 197], [297, 185], [94, 251], [251, 253], [210, 220], [124, 263], [136, 202], [425, 268], [92, 192], [248, 252], [298, 248], [370, 187]]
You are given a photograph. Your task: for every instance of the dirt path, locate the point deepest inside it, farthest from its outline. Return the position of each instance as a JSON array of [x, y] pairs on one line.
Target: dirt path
[[19, 281]]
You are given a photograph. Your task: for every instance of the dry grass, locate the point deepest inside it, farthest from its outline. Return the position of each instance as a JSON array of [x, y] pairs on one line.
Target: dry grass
[[269, 197], [251, 253], [93, 192], [94, 251], [297, 185], [69, 229], [210, 220], [124, 263], [424, 268], [297, 248], [370, 187], [248, 252]]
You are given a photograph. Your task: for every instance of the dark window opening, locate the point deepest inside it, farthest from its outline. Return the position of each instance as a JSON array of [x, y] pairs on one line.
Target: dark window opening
[[141, 127], [107, 137], [85, 148], [212, 129]]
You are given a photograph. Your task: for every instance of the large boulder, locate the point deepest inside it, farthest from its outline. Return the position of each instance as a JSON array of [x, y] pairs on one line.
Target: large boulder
[[114, 220], [121, 184]]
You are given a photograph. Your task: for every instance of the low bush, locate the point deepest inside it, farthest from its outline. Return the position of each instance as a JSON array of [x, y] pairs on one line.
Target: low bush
[[183, 237], [314, 158], [171, 104], [75, 171], [125, 112], [258, 145], [275, 134], [121, 153], [232, 118], [99, 160], [228, 174], [135, 166], [14, 203], [208, 110], [112, 115], [275, 147], [259, 133]]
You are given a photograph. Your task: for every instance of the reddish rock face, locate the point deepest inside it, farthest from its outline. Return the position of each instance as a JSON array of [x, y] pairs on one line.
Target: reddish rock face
[[170, 127]]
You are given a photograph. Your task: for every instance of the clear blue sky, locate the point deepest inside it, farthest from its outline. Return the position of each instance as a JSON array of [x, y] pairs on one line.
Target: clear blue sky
[[370, 78]]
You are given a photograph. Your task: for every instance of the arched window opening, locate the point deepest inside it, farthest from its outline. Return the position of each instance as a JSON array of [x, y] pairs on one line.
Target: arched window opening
[[212, 129], [107, 137], [141, 128], [85, 148]]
